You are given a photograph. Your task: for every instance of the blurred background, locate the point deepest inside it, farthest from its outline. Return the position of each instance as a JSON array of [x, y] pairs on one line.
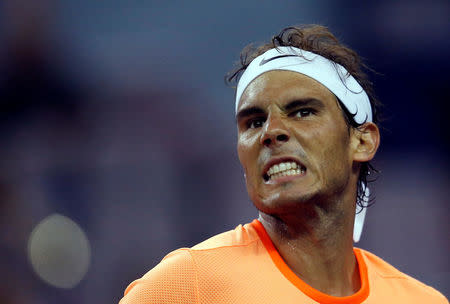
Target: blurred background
[[117, 134]]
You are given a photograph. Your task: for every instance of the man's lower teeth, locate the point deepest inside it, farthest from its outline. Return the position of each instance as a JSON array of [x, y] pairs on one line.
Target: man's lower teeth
[[287, 173]]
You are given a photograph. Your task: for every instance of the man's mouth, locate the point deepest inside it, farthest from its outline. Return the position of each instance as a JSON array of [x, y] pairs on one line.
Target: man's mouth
[[287, 168]]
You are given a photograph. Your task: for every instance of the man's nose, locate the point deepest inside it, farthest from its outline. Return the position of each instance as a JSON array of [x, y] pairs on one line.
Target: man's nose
[[274, 132]]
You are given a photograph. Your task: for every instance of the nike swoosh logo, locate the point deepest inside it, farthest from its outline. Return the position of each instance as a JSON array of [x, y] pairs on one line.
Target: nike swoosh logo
[[264, 61]]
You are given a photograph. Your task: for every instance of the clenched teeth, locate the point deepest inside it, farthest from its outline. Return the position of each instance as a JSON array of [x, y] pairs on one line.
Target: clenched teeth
[[287, 173], [282, 167], [285, 169]]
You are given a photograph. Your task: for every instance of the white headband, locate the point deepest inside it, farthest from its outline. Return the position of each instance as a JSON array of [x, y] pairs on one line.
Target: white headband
[[330, 74]]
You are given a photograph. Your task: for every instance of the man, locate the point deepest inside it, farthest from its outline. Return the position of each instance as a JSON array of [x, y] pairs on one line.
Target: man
[[307, 130]]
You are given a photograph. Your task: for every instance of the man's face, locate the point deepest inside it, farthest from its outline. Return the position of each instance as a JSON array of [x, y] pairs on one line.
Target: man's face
[[293, 142]]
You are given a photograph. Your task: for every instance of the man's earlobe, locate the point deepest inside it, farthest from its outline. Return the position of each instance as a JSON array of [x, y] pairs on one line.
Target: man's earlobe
[[368, 140]]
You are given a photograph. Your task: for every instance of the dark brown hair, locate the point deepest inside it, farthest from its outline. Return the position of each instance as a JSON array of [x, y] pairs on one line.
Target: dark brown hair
[[319, 40]]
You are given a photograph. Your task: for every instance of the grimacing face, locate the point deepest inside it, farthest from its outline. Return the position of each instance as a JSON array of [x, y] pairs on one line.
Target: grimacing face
[[293, 142]]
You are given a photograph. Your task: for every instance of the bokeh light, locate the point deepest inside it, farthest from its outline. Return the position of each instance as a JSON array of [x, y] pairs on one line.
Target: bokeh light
[[59, 251]]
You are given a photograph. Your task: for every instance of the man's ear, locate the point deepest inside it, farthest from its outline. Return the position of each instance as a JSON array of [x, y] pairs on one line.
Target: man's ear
[[366, 139]]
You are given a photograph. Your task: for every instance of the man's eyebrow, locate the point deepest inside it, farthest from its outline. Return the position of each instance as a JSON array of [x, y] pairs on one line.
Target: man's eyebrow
[[303, 102], [248, 112], [289, 106]]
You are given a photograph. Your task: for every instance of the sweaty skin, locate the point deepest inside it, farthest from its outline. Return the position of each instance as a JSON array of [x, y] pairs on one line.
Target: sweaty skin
[[285, 116]]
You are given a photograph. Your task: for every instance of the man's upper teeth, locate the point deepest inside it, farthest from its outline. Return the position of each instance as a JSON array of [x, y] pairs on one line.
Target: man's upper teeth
[[282, 167]]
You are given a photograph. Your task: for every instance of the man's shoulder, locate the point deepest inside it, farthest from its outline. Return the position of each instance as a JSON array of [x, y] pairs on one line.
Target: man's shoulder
[[177, 276], [221, 244], [385, 273], [175, 273], [229, 241]]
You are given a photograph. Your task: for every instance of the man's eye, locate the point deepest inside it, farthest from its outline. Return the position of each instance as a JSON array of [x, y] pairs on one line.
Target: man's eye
[[303, 112], [255, 123]]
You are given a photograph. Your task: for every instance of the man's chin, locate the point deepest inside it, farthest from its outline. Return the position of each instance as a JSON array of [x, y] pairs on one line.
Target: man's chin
[[282, 203]]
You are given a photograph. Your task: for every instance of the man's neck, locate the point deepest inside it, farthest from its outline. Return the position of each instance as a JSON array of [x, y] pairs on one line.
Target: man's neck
[[318, 247]]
